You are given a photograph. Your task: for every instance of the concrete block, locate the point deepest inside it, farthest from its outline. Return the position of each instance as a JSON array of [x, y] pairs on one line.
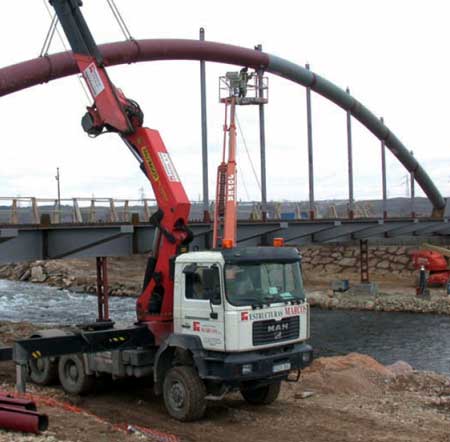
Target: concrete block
[[364, 289], [340, 285]]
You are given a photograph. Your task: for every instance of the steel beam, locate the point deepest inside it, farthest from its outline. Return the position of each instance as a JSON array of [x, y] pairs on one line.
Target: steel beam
[[83, 342], [338, 231], [310, 151], [251, 235], [206, 215], [88, 241], [28, 243], [351, 198], [383, 174], [408, 229], [436, 228], [377, 230], [7, 234], [298, 232]]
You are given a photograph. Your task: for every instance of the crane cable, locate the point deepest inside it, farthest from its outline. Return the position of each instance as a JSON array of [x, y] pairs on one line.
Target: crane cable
[[258, 182], [241, 177], [48, 40], [49, 36], [121, 22]]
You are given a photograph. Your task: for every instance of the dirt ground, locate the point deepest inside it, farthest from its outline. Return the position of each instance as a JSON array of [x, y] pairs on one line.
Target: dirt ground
[[346, 398], [350, 398]]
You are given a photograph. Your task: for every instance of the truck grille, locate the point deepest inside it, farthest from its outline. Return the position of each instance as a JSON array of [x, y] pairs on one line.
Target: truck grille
[[266, 332]]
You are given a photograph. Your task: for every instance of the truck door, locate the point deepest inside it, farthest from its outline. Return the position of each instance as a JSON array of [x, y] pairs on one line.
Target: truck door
[[202, 309]]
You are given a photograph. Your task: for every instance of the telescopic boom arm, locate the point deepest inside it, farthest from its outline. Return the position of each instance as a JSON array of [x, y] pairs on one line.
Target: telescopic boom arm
[[112, 111]]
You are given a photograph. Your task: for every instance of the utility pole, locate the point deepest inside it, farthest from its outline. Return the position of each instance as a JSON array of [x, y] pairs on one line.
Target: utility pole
[[406, 182], [142, 194], [59, 193]]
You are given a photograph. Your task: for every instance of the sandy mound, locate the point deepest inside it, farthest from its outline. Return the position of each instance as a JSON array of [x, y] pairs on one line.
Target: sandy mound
[[354, 373]]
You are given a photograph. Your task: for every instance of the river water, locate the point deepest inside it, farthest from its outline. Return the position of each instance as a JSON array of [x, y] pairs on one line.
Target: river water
[[22, 301], [422, 340]]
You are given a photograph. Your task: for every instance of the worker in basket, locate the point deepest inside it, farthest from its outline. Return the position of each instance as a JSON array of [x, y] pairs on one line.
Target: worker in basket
[[244, 78]]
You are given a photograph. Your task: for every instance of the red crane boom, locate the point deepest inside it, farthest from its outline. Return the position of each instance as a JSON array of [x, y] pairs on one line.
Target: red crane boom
[[112, 111]]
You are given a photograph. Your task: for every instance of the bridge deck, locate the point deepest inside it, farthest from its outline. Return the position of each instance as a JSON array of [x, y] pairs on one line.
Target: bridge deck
[[37, 242]]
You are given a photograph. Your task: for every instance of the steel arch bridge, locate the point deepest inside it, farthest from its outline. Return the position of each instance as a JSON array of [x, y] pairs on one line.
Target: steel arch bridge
[[44, 241], [51, 67]]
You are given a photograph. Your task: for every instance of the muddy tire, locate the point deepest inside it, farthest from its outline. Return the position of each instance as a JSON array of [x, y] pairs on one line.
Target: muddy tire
[[72, 375], [262, 395], [184, 394], [43, 371]]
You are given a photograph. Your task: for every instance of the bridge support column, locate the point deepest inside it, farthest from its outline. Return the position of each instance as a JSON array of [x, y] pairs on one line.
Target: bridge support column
[[364, 260], [102, 289]]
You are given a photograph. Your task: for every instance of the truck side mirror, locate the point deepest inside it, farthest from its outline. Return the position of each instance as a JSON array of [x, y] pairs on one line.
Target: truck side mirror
[[215, 298]]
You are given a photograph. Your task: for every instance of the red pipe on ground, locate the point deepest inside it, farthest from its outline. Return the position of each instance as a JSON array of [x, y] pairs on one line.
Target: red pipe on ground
[[21, 415], [10, 401]]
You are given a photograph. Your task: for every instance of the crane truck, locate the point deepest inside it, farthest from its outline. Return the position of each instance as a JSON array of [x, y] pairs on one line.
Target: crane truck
[[208, 322]]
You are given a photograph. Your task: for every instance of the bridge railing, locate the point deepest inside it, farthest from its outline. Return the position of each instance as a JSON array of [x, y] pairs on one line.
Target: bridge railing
[[85, 210], [31, 210]]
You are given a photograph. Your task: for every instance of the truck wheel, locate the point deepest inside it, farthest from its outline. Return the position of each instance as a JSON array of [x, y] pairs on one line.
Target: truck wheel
[[43, 371], [262, 395], [184, 394], [72, 375]]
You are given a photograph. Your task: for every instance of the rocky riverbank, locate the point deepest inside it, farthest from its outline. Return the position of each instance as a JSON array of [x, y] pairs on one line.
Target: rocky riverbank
[[396, 292], [79, 275], [397, 299]]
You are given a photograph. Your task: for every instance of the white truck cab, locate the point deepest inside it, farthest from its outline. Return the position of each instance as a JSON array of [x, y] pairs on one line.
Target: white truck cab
[[241, 299], [244, 304]]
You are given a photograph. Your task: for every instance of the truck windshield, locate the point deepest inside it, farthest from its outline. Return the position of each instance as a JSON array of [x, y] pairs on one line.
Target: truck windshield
[[263, 283]]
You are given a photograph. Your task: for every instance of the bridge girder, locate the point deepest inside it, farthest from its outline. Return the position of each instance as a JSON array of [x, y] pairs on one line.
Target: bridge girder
[[33, 242]]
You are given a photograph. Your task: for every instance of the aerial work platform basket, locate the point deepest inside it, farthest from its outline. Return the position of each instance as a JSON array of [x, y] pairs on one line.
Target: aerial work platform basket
[[246, 88]]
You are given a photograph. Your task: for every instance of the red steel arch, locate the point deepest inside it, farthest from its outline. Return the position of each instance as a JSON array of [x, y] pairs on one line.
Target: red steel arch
[[44, 69]]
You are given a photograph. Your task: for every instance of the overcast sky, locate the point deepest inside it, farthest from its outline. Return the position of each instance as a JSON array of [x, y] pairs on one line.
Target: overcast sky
[[392, 54]]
